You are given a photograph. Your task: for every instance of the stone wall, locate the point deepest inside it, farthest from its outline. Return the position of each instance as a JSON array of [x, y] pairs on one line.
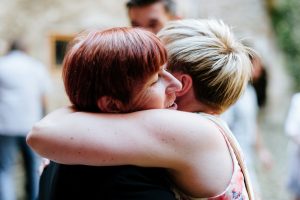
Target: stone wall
[[36, 21]]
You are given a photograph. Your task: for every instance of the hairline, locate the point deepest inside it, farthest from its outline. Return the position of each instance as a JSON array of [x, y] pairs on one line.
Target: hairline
[[169, 9]]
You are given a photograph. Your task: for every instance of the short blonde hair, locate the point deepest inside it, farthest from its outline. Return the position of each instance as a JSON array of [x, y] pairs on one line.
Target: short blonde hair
[[207, 50]]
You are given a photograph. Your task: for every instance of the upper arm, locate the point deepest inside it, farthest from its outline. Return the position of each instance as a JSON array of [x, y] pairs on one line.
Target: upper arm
[[159, 138]]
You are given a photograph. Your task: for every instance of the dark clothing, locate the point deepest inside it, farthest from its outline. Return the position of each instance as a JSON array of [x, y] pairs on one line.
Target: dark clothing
[[76, 182], [10, 146]]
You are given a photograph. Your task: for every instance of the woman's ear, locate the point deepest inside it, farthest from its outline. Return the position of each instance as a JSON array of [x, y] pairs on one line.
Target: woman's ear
[[187, 83], [109, 104]]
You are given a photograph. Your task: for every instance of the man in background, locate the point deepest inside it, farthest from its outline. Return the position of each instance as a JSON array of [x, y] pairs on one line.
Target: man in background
[[151, 14], [23, 84]]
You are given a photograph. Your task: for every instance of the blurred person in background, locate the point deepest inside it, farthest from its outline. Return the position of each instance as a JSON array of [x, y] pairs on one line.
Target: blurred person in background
[[260, 83], [242, 120], [151, 14], [292, 129], [23, 84]]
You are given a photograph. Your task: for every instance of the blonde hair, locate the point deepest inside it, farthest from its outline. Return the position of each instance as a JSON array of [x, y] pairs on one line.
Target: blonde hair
[[207, 50]]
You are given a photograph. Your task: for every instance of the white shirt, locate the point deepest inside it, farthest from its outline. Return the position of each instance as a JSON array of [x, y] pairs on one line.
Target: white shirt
[[292, 124], [23, 82]]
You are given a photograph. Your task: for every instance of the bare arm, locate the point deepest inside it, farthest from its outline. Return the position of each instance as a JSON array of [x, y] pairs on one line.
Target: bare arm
[[147, 138], [187, 144]]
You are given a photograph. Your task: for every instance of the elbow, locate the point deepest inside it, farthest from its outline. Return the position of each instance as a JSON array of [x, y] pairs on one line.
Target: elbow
[[35, 139], [31, 136]]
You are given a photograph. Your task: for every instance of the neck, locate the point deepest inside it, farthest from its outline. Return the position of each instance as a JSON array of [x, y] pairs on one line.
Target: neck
[[189, 103]]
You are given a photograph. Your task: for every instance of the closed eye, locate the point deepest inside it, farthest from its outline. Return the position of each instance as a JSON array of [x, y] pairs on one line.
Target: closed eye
[[155, 81], [153, 23]]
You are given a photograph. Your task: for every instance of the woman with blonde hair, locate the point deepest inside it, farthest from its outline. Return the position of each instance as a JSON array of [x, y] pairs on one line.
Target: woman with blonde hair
[[198, 150]]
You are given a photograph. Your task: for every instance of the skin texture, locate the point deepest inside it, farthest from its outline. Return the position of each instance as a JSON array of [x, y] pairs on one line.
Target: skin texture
[[158, 91]]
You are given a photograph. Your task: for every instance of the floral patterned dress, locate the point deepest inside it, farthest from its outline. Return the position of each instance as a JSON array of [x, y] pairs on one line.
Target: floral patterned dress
[[236, 190]]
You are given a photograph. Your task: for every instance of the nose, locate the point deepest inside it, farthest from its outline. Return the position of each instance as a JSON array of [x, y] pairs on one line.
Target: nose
[[174, 85]]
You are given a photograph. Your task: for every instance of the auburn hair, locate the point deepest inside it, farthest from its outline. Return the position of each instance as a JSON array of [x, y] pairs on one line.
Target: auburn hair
[[111, 62]]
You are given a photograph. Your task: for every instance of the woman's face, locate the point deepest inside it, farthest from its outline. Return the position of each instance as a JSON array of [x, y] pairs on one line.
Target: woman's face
[[158, 92]]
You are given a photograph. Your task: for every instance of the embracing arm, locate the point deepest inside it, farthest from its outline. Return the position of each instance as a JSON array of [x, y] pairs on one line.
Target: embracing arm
[[187, 144], [146, 138]]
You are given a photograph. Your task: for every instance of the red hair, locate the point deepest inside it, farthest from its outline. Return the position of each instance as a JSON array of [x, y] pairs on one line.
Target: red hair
[[110, 62]]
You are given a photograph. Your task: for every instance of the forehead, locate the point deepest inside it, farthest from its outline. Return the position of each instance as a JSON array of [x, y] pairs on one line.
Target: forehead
[[155, 10]]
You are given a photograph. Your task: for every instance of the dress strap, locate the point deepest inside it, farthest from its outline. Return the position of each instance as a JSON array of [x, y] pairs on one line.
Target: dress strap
[[236, 149]]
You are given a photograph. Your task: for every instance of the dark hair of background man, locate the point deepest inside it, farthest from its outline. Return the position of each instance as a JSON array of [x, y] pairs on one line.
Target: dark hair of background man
[[170, 5]]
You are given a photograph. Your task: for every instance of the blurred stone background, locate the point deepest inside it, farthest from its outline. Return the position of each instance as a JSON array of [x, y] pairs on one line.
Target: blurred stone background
[[37, 21]]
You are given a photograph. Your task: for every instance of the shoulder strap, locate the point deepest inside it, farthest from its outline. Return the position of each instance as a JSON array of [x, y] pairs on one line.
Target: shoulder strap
[[237, 151]]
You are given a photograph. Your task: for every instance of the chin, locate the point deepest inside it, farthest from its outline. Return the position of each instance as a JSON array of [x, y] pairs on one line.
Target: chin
[[173, 107]]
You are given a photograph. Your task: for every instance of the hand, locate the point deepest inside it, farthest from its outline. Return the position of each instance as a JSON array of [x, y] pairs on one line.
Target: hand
[[44, 163]]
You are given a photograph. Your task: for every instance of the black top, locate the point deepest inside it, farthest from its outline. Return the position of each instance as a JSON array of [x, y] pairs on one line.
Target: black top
[[76, 182]]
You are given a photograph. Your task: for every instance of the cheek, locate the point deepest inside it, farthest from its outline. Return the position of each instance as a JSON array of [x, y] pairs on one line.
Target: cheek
[[145, 102], [158, 27], [150, 99]]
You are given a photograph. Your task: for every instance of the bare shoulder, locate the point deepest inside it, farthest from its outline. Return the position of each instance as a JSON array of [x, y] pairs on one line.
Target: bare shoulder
[[199, 145], [175, 121], [188, 129]]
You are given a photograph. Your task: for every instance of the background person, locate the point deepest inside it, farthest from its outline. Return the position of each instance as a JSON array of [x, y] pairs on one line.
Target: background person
[[23, 85], [292, 129], [151, 14]]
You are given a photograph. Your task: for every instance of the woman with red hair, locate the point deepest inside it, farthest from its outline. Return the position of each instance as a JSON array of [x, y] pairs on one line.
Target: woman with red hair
[[113, 70]]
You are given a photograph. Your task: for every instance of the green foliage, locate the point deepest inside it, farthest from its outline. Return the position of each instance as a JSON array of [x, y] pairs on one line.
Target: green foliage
[[286, 21]]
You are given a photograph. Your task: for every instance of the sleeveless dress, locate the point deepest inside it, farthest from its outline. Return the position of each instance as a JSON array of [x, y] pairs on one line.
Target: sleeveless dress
[[239, 187]]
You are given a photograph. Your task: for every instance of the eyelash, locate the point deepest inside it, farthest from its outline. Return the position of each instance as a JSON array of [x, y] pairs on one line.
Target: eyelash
[[158, 78], [166, 70]]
